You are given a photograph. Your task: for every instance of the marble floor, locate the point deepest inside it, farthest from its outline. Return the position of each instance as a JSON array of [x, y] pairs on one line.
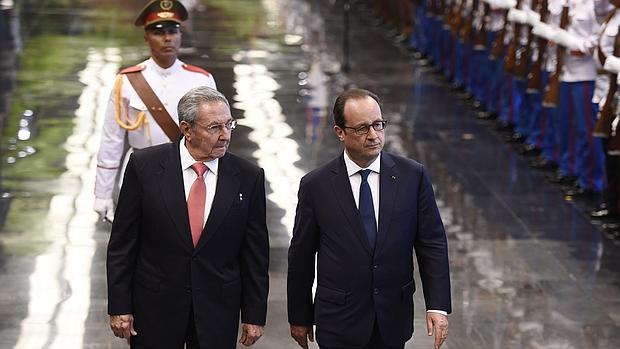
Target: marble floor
[[529, 270]]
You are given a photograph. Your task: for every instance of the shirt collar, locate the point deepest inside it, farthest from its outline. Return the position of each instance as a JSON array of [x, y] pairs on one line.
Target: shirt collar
[[187, 160], [353, 168], [150, 63]]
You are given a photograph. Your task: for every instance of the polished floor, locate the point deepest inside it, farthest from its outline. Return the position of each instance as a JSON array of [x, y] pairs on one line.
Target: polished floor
[[529, 270]]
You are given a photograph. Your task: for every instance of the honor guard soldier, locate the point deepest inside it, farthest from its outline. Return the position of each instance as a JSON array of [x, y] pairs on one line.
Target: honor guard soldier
[[605, 95], [582, 155], [143, 103]]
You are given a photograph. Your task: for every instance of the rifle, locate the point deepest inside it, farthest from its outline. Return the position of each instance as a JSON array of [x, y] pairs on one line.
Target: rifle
[[520, 68], [447, 13], [456, 19], [606, 115], [497, 49], [468, 28], [511, 53], [534, 80], [480, 39], [552, 90]]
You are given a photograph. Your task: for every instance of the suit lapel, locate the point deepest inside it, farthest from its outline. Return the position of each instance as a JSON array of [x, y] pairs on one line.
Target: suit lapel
[[227, 189], [173, 194], [344, 196], [388, 187]]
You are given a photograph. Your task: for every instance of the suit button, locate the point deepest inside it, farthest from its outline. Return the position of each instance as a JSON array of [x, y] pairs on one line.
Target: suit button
[[376, 291], [376, 266], [188, 290]]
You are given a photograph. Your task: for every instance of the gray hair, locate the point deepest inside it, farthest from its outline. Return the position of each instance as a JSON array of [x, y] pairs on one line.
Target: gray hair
[[194, 98]]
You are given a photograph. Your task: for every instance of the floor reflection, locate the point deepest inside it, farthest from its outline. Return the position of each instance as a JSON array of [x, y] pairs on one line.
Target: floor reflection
[[528, 269], [277, 151], [59, 291]]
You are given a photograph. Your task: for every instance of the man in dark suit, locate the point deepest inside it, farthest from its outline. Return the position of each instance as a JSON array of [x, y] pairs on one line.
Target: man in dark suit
[[363, 214], [189, 247]]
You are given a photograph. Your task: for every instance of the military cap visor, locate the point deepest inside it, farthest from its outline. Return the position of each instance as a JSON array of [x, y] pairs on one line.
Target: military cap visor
[[157, 11], [162, 25]]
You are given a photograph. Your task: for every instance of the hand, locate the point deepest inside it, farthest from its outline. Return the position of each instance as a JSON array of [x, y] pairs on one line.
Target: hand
[[250, 334], [301, 334], [122, 326], [105, 208], [533, 17], [505, 4], [516, 15], [438, 324], [612, 64]]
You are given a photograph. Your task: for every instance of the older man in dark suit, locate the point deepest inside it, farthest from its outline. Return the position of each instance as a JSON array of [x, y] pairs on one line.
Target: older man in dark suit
[[363, 214], [189, 247]]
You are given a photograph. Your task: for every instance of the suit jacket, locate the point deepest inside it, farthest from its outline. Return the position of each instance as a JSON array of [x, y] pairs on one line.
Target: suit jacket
[[355, 285], [156, 274]]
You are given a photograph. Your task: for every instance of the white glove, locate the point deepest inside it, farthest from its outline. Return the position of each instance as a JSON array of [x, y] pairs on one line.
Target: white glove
[[564, 38], [516, 15], [502, 4], [612, 64], [105, 208], [544, 30], [533, 17]]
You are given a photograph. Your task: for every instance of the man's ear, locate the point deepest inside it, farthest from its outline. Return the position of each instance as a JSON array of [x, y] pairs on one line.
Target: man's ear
[[339, 132], [185, 128]]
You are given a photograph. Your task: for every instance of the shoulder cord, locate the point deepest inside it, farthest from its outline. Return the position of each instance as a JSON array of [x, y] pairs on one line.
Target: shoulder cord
[[120, 110]]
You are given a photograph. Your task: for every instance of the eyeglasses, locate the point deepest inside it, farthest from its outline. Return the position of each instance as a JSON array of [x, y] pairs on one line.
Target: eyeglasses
[[364, 129], [217, 128]]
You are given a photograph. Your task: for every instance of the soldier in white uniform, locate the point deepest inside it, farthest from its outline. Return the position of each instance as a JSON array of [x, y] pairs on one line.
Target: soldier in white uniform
[[129, 114], [610, 208], [582, 155]]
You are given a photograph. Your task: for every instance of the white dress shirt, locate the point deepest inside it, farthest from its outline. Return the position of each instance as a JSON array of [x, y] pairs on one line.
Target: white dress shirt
[[373, 181], [189, 176]]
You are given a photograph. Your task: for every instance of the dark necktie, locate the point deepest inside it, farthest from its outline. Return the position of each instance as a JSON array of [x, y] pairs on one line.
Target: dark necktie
[[196, 202], [367, 209]]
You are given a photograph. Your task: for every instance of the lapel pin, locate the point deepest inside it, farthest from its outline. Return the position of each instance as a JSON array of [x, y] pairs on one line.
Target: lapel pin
[[240, 196], [393, 177]]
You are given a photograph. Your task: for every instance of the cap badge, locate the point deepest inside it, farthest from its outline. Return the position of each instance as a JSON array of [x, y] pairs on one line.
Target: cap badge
[[166, 5], [165, 15]]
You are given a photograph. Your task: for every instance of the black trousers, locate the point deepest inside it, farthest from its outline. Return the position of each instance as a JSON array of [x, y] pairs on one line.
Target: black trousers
[[191, 338], [376, 341]]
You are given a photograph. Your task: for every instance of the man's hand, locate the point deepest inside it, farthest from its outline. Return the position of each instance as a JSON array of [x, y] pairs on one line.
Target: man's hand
[[301, 334], [105, 208], [250, 334], [437, 323], [122, 326]]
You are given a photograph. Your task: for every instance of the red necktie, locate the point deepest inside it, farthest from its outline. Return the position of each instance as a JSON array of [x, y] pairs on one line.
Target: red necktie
[[196, 202]]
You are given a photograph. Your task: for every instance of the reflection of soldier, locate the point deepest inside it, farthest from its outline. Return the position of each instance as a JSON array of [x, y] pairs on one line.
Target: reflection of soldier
[[143, 105], [9, 46], [316, 110]]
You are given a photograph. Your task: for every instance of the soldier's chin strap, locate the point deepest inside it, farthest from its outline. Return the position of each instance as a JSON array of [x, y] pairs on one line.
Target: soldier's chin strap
[[120, 111]]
